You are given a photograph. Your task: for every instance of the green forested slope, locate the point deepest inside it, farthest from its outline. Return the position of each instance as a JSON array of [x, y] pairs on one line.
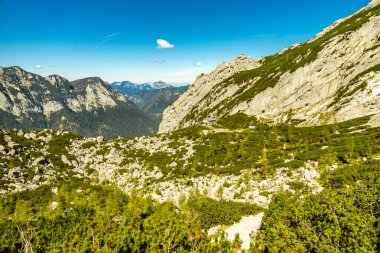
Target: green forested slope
[[345, 217]]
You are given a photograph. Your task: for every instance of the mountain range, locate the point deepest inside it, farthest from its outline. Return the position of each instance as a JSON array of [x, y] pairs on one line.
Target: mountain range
[[87, 106], [152, 98]]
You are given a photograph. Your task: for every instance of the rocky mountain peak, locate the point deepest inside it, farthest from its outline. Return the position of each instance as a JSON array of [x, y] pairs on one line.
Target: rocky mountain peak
[[159, 85], [15, 70], [240, 63], [94, 85], [58, 81], [374, 2], [84, 82]]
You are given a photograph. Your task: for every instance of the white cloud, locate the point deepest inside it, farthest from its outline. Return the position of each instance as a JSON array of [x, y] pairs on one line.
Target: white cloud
[[163, 44], [38, 66], [198, 64]]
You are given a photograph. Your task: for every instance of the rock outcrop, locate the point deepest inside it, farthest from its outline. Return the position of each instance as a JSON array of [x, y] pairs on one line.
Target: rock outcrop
[[331, 78]]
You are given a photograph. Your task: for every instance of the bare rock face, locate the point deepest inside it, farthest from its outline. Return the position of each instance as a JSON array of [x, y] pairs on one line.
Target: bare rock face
[[202, 86], [332, 78], [374, 2]]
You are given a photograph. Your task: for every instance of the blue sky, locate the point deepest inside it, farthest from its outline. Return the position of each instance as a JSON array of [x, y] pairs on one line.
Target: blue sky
[[117, 39]]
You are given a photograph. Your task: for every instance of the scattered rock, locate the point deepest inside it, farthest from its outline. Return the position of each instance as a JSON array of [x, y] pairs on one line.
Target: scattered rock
[[40, 161], [310, 174], [113, 153], [15, 173], [31, 136], [11, 152], [37, 178], [53, 205], [99, 139], [54, 190], [12, 144], [7, 138], [65, 160]]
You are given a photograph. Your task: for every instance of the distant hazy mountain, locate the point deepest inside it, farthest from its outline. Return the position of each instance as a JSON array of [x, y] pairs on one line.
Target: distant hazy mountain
[[160, 85], [87, 107], [127, 87], [152, 98]]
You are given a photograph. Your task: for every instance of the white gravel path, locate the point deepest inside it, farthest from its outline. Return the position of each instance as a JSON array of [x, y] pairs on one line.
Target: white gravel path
[[246, 228]]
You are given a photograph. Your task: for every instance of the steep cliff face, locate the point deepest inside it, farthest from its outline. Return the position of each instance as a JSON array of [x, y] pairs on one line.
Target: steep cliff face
[[331, 78], [88, 106]]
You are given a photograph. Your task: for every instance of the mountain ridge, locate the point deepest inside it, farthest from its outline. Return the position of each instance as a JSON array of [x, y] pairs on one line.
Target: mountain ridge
[[313, 81]]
